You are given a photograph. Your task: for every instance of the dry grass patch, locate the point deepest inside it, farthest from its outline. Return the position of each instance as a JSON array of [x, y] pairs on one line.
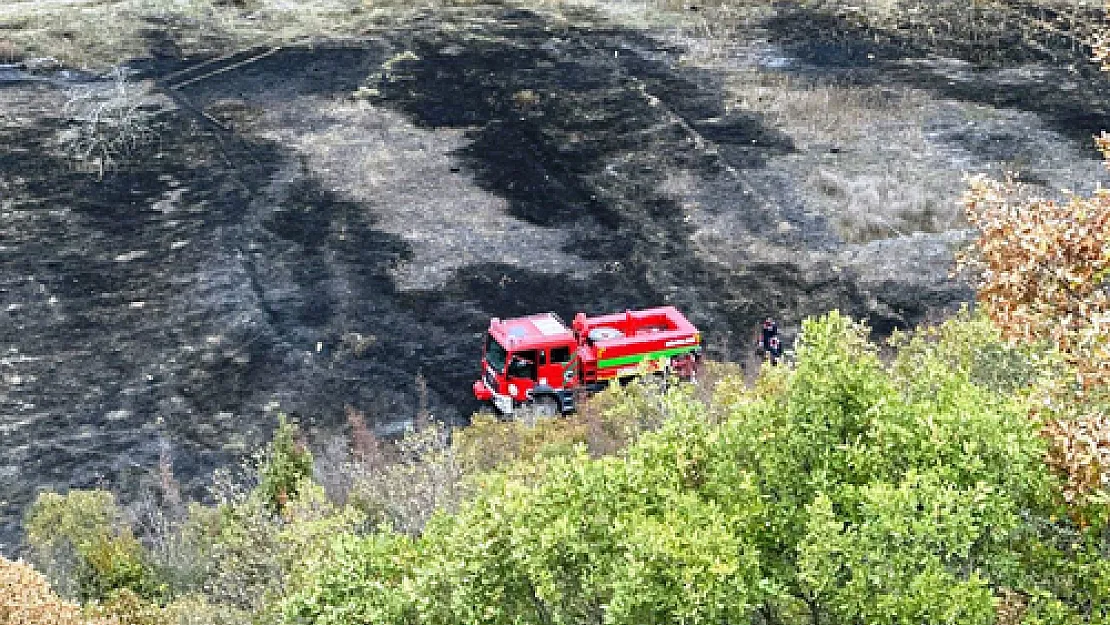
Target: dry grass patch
[[816, 114], [101, 33], [892, 198], [863, 153], [983, 31]]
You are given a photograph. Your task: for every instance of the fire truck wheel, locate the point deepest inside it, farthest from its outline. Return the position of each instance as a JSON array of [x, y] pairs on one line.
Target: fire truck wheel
[[546, 407]]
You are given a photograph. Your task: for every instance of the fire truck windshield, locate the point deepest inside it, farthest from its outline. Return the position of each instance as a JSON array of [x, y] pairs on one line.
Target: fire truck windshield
[[495, 354]]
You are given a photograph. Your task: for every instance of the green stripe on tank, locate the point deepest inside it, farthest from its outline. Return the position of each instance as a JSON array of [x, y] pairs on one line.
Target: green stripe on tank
[[638, 358]]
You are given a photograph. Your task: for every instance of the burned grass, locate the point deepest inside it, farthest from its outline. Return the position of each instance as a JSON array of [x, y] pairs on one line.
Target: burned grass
[[101, 34], [1004, 54], [220, 273], [319, 224]]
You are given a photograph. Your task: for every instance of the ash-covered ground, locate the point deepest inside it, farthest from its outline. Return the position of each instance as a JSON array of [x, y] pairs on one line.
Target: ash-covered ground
[[318, 228]]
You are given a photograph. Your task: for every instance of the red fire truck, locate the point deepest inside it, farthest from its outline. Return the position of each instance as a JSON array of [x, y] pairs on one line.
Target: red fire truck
[[538, 361]]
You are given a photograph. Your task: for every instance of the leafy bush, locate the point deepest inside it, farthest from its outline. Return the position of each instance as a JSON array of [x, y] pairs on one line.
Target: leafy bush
[[1043, 270], [82, 541], [845, 490], [848, 488], [401, 484]]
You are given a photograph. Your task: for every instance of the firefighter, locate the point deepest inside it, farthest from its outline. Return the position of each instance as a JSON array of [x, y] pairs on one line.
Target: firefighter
[[766, 332], [774, 349], [769, 345]]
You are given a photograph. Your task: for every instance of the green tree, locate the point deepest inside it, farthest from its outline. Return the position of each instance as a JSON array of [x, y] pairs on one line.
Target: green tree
[[845, 490], [82, 542], [285, 465]]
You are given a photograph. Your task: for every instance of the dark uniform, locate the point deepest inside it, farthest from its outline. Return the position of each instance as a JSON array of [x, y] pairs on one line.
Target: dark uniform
[[774, 348], [769, 343]]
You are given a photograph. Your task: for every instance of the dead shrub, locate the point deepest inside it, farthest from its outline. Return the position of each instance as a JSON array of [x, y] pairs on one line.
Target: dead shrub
[[109, 123], [526, 99], [423, 477]]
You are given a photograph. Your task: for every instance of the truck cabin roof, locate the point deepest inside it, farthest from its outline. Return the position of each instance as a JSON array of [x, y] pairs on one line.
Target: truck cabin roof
[[532, 332]]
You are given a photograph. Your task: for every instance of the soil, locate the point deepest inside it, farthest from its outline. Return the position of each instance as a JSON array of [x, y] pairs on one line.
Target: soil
[[315, 229]]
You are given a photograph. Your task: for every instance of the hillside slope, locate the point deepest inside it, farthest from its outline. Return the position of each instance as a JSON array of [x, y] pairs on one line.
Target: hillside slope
[[315, 224]]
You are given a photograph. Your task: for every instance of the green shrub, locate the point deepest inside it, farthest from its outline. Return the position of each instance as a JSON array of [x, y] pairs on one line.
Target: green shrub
[[81, 541], [844, 490], [55, 521], [115, 563], [285, 465]]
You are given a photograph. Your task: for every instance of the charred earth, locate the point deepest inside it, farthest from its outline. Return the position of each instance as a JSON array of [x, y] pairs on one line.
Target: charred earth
[[315, 225]]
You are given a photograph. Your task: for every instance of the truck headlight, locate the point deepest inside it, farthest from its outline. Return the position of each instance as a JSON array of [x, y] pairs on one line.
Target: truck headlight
[[513, 390]]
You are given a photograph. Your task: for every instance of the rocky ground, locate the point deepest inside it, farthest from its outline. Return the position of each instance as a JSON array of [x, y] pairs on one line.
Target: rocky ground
[[321, 226]]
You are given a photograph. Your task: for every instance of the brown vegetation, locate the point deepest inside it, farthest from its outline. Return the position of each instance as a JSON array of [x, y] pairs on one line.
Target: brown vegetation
[[27, 599], [1042, 271]]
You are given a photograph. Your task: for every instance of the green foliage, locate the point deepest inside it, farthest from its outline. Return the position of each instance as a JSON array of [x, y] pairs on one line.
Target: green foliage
[[580, 545], [844, 490], [368, 581], [238, 551], [117, 563], [973, 345], [80, 540], [899, 495], [78, 517], [489, 442], [909, 561], [286, 464], [249, 556]]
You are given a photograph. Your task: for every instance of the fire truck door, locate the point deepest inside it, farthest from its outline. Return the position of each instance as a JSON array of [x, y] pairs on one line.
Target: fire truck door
[[523, 372], [553, 366]]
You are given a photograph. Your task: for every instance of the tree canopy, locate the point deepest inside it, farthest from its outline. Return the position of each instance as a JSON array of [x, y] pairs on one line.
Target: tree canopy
[[845, 490]]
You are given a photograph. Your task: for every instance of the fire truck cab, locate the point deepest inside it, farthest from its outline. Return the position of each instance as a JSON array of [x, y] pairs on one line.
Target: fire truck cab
[[541, 362]]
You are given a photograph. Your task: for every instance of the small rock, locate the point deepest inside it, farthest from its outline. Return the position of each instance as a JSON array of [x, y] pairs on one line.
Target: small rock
[[130, 256]]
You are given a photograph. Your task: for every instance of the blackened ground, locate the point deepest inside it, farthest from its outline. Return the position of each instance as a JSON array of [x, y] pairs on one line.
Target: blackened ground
[[316, 229], [1027, 57]]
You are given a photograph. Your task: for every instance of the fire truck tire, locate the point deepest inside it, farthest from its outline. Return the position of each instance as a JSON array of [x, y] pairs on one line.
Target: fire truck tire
[[546, 406]]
